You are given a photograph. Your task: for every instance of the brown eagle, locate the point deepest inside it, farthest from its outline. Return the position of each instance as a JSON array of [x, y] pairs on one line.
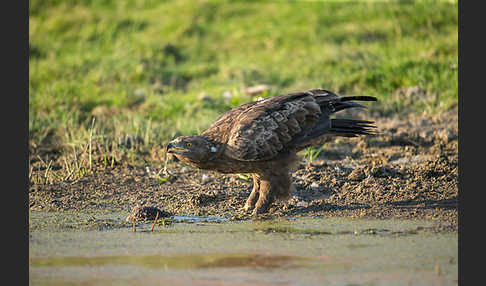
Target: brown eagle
[[263, 137]]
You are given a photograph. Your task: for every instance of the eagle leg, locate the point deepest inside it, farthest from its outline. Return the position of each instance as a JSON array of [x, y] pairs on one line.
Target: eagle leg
[[252, 199], [273, 186], [265, 199]]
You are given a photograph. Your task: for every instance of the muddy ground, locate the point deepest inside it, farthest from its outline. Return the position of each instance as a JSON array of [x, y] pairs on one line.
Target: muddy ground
[[409, 170]]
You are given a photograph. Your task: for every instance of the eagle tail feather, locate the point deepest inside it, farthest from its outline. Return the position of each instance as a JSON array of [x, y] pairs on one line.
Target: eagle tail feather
[[352, 127], [359, 97], [343, 105]]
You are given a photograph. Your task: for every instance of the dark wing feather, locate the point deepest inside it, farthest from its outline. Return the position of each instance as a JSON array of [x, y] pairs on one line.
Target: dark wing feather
[[270, 126]]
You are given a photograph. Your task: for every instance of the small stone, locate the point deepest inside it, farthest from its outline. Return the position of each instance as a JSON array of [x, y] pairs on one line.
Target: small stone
[[205, 178], [184, 170], [302, 204], [315, 186]]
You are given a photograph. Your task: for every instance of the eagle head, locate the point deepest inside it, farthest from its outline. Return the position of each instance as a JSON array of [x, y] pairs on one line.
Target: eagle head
[[191, 148]]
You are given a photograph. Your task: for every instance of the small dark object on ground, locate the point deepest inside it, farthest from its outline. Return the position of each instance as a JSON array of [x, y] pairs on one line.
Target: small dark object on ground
[[145, 213]]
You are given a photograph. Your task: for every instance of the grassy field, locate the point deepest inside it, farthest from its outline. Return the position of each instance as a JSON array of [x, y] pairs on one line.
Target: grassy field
[[156, 69]]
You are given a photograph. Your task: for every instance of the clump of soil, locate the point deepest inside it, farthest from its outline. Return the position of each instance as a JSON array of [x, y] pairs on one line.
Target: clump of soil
[[144, 213], [408, 170]]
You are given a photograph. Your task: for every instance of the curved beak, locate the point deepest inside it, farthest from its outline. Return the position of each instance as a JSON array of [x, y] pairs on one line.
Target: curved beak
[[169, 146], [174, 147]]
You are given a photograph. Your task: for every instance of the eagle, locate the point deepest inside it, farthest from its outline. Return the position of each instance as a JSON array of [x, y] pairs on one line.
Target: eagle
[[263, 137]]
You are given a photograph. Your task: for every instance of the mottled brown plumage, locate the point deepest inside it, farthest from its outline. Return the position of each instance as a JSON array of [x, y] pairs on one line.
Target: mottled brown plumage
[[263, 137]]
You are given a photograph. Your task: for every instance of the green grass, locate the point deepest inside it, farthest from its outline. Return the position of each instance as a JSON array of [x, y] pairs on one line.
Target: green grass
[[311, 153], [141, 67]]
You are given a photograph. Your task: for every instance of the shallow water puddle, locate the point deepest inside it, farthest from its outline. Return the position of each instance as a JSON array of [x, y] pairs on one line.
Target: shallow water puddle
[[214, 251], [214, 260], [196, 219]]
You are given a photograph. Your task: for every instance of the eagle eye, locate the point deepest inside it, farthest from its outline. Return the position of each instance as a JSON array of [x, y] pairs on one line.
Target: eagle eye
[[188, 144]]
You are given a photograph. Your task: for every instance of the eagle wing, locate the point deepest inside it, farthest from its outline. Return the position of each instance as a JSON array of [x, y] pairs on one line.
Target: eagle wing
[[269, 127], [264, 129]]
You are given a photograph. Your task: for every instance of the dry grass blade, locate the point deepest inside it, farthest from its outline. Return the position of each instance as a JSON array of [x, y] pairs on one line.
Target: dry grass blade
[[46, 174], [155, 221], [90, 140]]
